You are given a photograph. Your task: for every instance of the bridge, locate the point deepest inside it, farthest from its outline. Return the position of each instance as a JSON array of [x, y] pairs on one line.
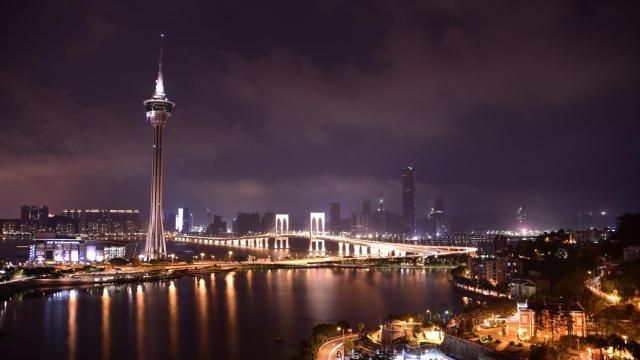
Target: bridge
[[317, 236], [347, 246]]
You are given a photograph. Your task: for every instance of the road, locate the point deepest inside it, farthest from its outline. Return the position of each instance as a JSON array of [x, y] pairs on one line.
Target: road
[[329, 349]]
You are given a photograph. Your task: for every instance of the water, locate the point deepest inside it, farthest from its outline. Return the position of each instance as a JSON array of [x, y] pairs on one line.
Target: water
[[232, 315]]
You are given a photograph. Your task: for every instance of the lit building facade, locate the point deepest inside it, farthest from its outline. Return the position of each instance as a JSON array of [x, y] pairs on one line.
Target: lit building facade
[[74, 251], [184, 220], [105, 221]]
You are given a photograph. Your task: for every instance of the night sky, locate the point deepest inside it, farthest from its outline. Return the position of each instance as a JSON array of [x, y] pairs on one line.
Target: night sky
[[291, 105]]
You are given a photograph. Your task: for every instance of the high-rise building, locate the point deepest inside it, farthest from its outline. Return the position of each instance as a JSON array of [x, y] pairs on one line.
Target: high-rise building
[[334, 218], [34, 215], [217, 227], [33, 218], [409, 200], [209, 216], [268, 222], [105, 221], [184, 220], [25, 214], [366, 217], [436, 218], [380, 217], [187, 220], [170, 222], [247, 223], [355, 223], [179, 217], [159, 110], [521, 217]]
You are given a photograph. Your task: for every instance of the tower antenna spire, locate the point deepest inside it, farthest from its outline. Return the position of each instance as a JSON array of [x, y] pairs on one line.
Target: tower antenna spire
[[161, 50], [159, 93], [413, 163]]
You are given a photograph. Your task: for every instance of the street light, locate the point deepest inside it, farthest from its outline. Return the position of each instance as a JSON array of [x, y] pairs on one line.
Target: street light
[[202, 256], [172, 257], [339, 328], [230, 254], [429, 312]]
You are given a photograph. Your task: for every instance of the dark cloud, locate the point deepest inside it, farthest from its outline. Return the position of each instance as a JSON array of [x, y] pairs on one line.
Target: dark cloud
[[291, 105]]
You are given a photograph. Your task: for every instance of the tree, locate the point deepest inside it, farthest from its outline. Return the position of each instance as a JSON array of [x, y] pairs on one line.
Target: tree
[[343, 325], [628, 229], [543, 352]]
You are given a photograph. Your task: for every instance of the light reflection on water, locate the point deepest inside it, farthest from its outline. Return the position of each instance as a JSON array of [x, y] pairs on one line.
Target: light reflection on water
[[173, 320], [140, 324], [232, 308], [106, 332], [232, 315], [203, 318], [72, 337]]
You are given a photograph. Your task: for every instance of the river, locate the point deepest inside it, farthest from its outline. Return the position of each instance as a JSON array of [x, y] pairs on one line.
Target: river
[[233, 315]]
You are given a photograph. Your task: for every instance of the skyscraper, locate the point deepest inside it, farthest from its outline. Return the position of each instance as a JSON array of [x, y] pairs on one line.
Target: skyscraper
[[409, 200], [159, 110], [187, 220], [34, 217], [170, 222], [381, 221], [268, 223], [521, 217], [366, 216], [179, 221], [334, 218], [184, 220], [437, 221], [217, 227], [247, 223]]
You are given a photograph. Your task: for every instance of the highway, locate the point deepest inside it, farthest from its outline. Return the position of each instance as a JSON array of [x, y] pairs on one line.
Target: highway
[[329, 350]]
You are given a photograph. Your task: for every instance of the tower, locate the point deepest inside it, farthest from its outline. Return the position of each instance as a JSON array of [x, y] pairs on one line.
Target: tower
[[436, 218], [409, 200], [158, 110]]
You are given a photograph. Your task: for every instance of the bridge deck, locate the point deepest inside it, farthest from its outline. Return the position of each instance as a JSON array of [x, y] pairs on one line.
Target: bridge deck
[[374, 245]]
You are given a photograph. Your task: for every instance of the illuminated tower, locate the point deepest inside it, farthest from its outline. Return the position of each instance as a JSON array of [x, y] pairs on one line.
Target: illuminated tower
[[158, 112]]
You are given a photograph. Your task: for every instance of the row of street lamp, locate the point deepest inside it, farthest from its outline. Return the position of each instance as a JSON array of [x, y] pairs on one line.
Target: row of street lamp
[[202, 255]]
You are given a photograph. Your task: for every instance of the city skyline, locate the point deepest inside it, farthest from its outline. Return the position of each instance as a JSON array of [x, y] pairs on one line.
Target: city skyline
[[232, 149], [340, 180]]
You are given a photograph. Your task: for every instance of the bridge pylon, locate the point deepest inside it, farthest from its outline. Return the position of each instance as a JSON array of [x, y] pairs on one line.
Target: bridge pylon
[[316, 229]]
